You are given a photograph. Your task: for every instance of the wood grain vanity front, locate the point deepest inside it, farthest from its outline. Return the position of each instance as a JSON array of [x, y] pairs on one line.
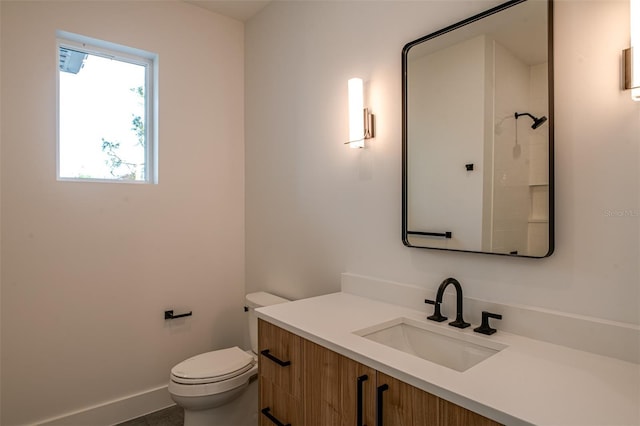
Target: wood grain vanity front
[[280, 385], [404, 404], [320, 388]]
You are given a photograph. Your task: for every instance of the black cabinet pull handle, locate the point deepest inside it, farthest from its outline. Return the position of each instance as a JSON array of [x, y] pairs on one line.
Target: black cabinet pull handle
[[274, 420], [381, 389], [361, 380], [280, 362]]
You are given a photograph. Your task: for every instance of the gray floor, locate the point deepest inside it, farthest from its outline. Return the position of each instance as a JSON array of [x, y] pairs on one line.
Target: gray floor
[[172, 416]]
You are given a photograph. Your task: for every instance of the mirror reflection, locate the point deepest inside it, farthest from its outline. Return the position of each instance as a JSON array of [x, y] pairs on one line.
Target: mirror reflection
[[478, 135]]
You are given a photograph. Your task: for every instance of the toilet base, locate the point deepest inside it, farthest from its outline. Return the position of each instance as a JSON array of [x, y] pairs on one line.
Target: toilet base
[[240, 408]]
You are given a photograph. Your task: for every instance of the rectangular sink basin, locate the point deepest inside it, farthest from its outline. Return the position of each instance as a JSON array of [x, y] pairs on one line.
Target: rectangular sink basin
[[449, 348]]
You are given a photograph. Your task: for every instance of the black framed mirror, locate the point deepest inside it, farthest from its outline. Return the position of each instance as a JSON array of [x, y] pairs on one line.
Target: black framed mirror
[[477, 134]]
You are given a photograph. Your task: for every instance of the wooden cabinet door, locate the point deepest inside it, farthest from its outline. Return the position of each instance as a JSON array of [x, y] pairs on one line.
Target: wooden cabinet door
[[338, 391], [278, 406], [358, 379], [454, 415], [322, 386], [400, 404], [280, 359]]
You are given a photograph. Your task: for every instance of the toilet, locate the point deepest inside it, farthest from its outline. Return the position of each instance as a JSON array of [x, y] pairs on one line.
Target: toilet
[[203, 383]]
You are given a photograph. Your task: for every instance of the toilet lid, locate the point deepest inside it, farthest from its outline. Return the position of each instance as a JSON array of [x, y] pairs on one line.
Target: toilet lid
[[213, 366]]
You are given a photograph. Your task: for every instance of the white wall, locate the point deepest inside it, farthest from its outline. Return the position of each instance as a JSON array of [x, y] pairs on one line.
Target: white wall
[[316, 208], [89, 268], [511, 154], [445, 137]]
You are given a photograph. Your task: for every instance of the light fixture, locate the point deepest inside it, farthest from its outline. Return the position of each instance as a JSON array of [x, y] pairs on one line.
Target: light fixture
[[631, 55], [361, 121]]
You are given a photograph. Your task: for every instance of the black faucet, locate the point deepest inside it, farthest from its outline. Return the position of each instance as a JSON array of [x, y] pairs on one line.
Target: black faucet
[[437, 316]]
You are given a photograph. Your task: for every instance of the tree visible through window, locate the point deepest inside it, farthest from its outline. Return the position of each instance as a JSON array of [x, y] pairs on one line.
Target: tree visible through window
[[104, 114]]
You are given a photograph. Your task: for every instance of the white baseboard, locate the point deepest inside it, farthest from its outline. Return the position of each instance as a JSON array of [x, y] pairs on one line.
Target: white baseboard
[[116, 411], [609, 338]]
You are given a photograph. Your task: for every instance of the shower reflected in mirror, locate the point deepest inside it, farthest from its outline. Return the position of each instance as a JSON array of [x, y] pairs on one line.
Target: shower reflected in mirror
[[537, 122], [480, 92]]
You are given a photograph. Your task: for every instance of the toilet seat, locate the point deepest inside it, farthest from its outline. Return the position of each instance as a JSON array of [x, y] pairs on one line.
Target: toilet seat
[[227, 383], [213, 367]]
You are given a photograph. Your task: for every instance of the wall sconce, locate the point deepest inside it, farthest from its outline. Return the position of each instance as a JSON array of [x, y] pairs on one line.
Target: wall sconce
[[631, 60], [361, 121]]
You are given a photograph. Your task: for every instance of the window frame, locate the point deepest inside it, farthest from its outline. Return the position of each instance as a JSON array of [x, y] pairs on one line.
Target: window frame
[[120, 53]]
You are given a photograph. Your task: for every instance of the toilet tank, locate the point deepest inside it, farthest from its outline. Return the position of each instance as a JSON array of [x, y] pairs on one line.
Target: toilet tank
[[258, 300]]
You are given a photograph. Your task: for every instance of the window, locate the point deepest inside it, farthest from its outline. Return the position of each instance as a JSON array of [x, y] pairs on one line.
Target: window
[[105, 111]]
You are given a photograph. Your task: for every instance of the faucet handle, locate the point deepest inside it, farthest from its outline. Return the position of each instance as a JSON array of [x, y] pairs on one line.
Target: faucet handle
[[437, 316], [485, 328]]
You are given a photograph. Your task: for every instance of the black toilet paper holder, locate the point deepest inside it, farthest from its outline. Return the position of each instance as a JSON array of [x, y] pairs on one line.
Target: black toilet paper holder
[[169, 314]]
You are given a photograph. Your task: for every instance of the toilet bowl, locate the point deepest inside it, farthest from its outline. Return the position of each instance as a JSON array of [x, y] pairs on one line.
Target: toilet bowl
[[210, 380]]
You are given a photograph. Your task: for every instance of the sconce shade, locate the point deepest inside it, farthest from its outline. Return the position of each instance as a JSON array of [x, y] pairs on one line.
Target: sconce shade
[[356, 108]]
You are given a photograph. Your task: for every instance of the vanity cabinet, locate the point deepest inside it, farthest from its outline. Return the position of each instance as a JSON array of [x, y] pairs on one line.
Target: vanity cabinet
[[320, 387], [454, 415], [280, 375], [403, 404], [336, 388]]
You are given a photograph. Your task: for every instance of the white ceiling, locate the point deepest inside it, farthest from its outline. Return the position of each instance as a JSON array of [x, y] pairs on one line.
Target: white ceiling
[[242, 10]]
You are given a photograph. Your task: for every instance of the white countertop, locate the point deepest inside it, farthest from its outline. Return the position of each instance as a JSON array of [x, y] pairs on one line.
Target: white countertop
[[529, 382]]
